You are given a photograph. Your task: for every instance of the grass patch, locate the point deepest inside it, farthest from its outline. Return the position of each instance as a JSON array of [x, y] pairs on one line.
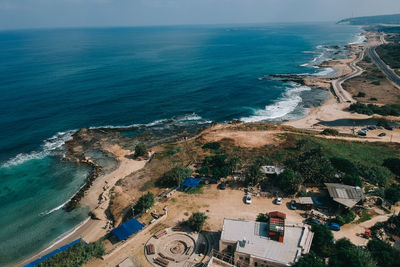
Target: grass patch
[[364, 216], [196, 190], [355, 151]]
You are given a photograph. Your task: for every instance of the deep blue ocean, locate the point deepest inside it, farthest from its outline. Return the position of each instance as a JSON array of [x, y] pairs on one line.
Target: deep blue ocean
[[54, 81]]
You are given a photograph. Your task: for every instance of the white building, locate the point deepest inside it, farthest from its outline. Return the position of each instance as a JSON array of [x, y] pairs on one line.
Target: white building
[[250, 244]]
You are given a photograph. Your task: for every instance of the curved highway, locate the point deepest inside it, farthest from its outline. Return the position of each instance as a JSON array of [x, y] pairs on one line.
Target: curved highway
[[340, 93], [390, 74]]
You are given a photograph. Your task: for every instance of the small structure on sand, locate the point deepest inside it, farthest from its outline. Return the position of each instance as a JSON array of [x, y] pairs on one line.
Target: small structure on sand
[[305, 203], [345, 195]]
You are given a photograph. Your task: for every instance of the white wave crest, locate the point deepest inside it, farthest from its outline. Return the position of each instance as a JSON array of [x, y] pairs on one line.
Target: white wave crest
[[286, 104], [359, 39], [326, 72], [49, 146]]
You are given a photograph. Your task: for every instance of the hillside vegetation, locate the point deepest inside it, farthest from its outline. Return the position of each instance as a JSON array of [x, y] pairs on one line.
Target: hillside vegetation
[[371, 20]]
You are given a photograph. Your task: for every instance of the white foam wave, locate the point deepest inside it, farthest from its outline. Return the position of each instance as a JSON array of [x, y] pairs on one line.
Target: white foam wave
[[55, 209], [359, 39], [286, 104], [326, 72], [49, 146]]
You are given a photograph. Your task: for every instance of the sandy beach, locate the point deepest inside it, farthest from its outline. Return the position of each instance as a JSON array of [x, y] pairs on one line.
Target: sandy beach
[[97, 198]]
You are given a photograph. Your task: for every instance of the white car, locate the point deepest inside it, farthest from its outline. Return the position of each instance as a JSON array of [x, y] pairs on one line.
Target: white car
[[278, 201], [248, 198]]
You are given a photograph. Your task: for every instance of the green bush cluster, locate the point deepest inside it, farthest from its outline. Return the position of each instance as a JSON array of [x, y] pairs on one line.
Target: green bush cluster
[[144, 203], [196, 221], [140, 150], [330, 131], [347, 217], [174, 176], [212, 146], [386, 110], [75, 256]]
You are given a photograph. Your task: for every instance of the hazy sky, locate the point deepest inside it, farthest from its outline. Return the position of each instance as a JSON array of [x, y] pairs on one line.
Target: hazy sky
[[65, 13]]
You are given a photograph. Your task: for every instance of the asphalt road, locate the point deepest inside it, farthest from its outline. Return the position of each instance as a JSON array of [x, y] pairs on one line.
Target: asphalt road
[[337, 84], [382, 66]]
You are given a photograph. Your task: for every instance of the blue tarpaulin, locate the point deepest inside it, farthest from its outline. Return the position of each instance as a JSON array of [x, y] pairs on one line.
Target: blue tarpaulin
[[45, 257], [127, 229], [320, 201], [191, 182]]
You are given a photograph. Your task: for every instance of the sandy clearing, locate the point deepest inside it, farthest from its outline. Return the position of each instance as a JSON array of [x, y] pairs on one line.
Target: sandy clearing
[[248, 139]]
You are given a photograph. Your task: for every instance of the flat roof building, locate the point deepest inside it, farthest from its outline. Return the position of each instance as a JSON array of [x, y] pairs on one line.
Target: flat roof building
[[251, 242]]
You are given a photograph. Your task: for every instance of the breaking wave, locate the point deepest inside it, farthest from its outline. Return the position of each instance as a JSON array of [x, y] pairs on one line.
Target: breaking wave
[[287, 104]]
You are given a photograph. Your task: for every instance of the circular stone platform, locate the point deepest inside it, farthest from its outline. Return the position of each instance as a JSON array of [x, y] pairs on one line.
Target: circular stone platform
[[176, 247]]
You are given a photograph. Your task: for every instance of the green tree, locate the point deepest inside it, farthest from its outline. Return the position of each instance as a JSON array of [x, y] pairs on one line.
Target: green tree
[[352, 179], [234, 163], [392, 194], [322, 243], [289, 181], [174, 177], [347, 254], [346, 217], [253, 174], [140, 150], [393, 164], [375, 174], [313, 166], [310, 260], [196, 221], [384, 254], [77, 255], [262, 217], [204, 170], [344, 165], [144, 203]]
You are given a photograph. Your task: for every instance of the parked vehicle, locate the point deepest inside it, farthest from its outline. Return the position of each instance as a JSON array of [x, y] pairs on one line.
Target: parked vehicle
[[222, 186], [364, 129], [312, 221], [362, 133], [293, 205], [248, 198], [333, 226], [382, 134], [372, 127], [278, 201]]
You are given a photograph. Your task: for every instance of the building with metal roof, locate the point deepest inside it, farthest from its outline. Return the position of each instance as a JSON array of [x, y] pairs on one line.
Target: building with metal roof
[[345, 195], [250, 243]]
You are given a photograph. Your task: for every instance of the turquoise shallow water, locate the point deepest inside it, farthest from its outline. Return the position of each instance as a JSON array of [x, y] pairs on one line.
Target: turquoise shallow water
[[56, 81]]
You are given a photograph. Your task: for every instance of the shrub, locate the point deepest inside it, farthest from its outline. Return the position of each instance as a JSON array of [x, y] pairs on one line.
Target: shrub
[[352, 179], [392, 194], [204, 170], [174, 177], [196, 221], [289, 181], [383, 253], [310, 260], [373, 99], [346, 217], [330, 131], [144, 203], [313, 166], [361, 94], [347, 254], [375, 174], [212, 145], [140, 150], [344, 165], [322, 243], [376, 82], [393, 164], [77, 255], [261, 217]]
